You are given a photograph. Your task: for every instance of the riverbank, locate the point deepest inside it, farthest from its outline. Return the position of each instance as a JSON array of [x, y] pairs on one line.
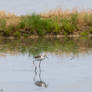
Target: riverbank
[[56, 23]]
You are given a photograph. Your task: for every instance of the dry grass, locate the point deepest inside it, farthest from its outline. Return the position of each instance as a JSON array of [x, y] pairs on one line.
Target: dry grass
[[82, 15], [12, 21], [10, 18]]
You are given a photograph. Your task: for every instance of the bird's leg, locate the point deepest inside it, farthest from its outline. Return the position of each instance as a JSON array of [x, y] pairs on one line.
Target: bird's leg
[[40, 70], [40, 66], [35, 74], [35, 66], [35, 71], [46, 57]]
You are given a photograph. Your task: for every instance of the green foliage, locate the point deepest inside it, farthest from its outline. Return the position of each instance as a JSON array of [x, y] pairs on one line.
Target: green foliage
[[90, 30], [9, 30], [2, 24], [57, 27], [68, 26], [74, 18], [17, 34], [65, 33], [85, 33], [21, 24], [48, 25], [36, 25], [90, 19], [25, 35]]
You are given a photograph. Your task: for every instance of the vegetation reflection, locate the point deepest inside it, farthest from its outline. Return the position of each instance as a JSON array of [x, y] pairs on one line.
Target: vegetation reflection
[[38, 46]]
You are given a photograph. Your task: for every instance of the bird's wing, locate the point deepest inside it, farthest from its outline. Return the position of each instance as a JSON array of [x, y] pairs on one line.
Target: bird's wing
[[37, 56]]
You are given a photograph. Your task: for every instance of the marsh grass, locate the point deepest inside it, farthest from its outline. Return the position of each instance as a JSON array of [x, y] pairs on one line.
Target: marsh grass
[[56, 22]]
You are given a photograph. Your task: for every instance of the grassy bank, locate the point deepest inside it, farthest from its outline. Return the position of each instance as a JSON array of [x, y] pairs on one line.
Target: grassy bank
[[57, 22]]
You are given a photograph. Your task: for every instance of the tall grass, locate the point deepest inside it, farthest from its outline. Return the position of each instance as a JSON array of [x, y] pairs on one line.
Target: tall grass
[[56, 22]]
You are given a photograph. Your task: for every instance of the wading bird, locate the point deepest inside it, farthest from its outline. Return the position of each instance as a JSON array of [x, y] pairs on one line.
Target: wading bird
[[37, 71], [40, 57]]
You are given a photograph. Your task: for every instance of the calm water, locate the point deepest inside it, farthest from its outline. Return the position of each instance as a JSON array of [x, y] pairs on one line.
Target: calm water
[[28, 6], [67, 69]]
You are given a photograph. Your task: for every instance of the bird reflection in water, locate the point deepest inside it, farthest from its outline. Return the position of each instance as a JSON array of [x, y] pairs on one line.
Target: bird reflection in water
[[37, 64]]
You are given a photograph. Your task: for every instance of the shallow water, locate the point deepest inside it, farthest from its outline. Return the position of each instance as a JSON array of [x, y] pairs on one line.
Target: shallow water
[[67, 69], [29, 6]]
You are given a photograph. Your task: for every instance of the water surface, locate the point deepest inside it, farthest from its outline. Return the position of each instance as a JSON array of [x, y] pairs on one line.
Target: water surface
[[67, 69]]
